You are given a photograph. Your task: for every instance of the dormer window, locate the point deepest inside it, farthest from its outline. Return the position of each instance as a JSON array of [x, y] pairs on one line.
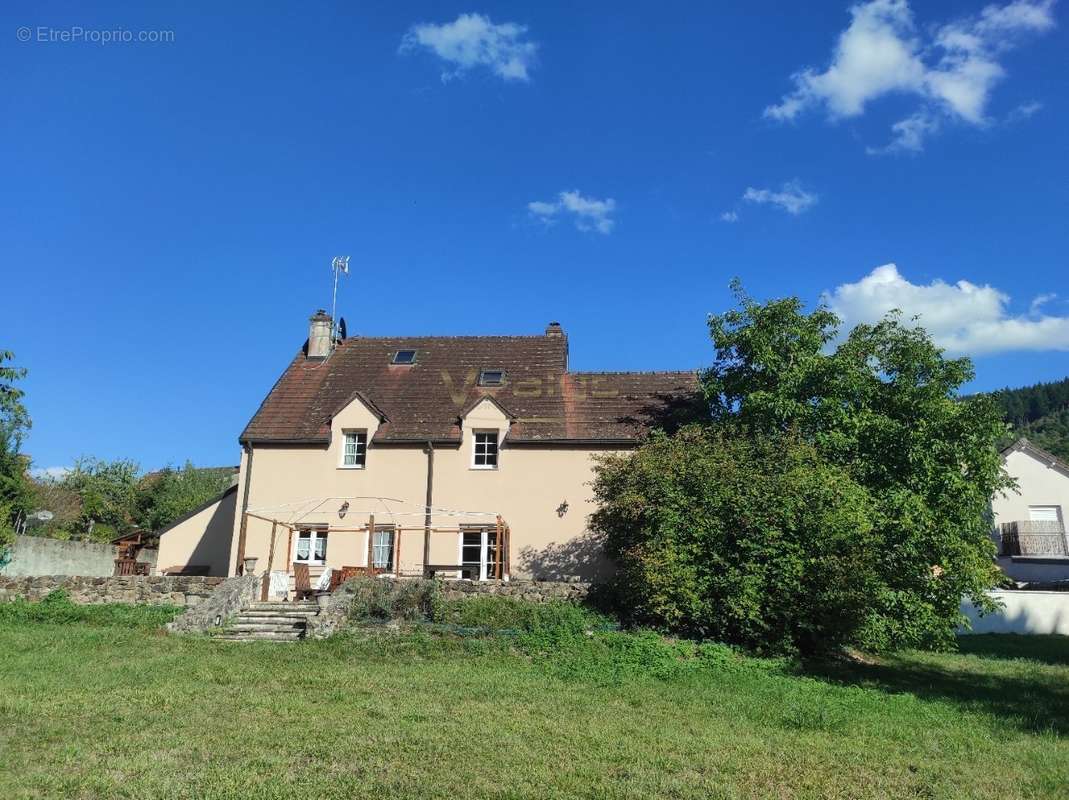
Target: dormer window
[[404, 357], [484, 449], [492, 377], [354, 454]]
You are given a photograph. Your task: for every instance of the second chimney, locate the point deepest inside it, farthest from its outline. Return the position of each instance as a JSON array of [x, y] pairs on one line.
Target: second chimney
[[319, 333]]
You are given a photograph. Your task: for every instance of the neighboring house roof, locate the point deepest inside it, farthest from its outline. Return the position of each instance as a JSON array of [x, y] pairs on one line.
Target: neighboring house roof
[[1025, 446], [207, 504], [425, 400]]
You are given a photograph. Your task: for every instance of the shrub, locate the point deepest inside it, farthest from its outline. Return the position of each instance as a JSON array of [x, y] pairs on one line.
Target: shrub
[[375, 599], [497, 614], [751, 540], [56, 608]]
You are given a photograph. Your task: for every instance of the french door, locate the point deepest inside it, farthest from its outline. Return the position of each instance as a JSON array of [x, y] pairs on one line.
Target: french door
[[311, 547], [478, 553]]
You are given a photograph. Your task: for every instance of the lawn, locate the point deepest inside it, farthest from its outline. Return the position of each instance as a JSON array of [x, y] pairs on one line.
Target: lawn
[[115, 709]]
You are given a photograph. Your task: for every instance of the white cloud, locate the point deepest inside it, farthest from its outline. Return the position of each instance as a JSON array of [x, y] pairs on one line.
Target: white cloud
[[951, 68], [961, 317], [472, 40], [54, 473], [909, 134], [1041, 300], [1024, 111], [590, 214], [729, 216], [791, 197]]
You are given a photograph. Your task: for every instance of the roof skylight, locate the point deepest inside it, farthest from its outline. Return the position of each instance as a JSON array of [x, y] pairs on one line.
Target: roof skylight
[[492, 377]]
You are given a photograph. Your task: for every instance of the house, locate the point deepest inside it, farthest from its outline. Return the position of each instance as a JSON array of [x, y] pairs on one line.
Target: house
[[1029, 525], [466, 456], [198, 543]]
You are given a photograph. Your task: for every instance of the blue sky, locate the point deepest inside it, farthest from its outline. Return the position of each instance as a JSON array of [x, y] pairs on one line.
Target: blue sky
[[169, 210]]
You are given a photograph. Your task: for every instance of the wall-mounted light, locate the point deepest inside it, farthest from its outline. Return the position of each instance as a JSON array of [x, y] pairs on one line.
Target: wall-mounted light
[[344, 508], [562, 509]]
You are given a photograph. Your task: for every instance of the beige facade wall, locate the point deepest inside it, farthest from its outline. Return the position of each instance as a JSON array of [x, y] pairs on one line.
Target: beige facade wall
[[542, 493], [201, 540], [1039, 484]]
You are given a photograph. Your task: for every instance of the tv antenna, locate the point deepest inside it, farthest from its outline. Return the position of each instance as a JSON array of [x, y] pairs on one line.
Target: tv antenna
[[338, 265]]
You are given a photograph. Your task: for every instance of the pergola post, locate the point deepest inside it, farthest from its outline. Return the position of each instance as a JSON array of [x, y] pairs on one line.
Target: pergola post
[[370, 542], [240, 567]]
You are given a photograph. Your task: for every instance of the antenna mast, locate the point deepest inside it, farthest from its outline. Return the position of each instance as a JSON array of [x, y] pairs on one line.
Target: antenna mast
[[339, 264]]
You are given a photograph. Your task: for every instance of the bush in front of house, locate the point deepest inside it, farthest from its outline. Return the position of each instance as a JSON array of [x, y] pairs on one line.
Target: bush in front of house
[[750, 540], [493, 614], [378, 600], [56, 608]]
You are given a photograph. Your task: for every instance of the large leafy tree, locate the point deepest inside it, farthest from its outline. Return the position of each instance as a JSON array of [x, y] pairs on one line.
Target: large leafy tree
[[15, 494], [108, 493], [882, 407], [884, 404]]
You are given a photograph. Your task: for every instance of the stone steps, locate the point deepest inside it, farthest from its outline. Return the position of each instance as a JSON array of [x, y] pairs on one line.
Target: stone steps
[[270, 622], [260, 636]]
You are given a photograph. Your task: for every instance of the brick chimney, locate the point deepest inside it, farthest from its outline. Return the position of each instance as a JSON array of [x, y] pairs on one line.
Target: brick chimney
[[554, 329], [319, 333]]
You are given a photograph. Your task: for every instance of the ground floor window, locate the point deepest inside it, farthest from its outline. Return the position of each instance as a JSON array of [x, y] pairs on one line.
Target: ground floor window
[[311, 547], [471, 552], [382, 547]]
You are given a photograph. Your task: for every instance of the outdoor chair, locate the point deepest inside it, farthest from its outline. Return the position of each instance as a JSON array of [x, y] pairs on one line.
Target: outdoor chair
[[302, 584]]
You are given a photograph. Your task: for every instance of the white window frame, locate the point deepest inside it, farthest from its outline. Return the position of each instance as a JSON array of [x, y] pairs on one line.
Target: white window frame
[[391, 531], [314, 535], [356, 432], [475, 434], [484, 532]]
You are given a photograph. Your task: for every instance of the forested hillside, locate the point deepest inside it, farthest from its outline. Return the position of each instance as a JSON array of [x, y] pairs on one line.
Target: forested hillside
[[1040, 412]]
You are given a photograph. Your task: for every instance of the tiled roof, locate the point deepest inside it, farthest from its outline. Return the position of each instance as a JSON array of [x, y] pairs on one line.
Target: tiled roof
[[425, 400]]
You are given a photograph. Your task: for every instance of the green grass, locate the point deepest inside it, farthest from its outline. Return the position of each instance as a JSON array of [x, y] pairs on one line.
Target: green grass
[[124, 711]]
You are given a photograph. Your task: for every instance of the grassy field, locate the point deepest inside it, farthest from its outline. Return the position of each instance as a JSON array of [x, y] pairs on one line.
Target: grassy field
[[118, 709]]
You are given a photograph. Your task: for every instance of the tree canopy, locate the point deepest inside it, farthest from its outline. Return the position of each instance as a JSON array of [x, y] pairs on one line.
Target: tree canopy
[[99, 499], [14, 422], [882, 407]]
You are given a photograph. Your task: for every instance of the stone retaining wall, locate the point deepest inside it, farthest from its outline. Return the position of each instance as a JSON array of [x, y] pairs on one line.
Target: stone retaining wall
[[171, 590], [334, 616], [532, 591]]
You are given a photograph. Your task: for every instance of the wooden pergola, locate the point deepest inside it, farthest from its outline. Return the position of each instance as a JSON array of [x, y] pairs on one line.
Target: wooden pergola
[[332, 514]]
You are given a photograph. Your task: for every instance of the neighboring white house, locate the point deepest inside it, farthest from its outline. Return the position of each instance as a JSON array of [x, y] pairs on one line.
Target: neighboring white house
[[1030, 523]]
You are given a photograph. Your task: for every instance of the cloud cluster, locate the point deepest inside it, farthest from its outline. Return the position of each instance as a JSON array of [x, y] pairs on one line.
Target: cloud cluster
[[791, 197], [951, 68], [590, 214], [962, 317], [472, 40]]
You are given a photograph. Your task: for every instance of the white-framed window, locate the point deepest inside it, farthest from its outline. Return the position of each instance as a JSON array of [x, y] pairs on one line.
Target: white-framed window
[[484, 449], [478, 552], [311, 546], [382, 547], [354, 454], [1047, 516]]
